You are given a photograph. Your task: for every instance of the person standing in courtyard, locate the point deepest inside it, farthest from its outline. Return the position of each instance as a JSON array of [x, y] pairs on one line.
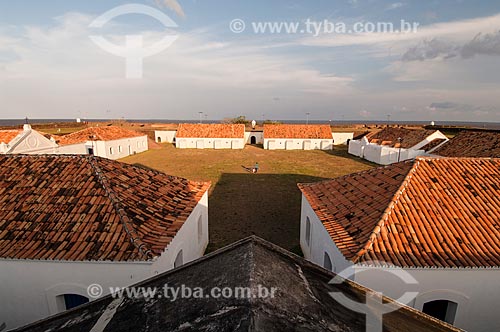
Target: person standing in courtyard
[[255, 168]]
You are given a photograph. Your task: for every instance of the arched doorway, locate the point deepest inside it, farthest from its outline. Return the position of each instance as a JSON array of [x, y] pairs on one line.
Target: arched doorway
[[253, 140]]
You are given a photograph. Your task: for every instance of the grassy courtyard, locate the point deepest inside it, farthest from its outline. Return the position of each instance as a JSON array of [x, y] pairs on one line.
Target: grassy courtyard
[[266, 204]]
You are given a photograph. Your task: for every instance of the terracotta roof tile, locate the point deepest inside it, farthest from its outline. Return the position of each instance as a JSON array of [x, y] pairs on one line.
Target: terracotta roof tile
[[297, 131], [442, 212], [390, 135], [89, 208], [472, 144], [108, 133], [6, 136], [191, 130]]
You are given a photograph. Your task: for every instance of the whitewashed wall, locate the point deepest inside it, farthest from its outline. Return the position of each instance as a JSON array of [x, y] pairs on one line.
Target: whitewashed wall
[[475, 290], [356, 147], [210, 143], [122, 147], [29, 289], [297, 144], [115, 149], [341, 138], [165, 136], [385, 155], [29, 142], [259, 137], [320, 241]]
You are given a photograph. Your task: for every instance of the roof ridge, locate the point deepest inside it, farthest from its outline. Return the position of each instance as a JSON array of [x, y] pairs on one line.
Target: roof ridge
[[387, 212], [124, 218]]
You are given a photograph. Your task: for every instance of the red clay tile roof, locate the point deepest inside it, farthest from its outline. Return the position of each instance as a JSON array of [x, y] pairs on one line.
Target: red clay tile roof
[[85, 208], [297, 131], [6, 136], [108, 133], [442, 212], [472, 144], [192, 130], [390, 135]]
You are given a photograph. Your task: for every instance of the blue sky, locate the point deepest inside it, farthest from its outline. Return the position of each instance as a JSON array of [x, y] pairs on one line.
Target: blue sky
[[446, 70]]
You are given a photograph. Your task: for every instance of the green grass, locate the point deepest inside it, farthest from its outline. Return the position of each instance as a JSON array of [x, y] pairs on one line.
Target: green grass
[[266, 204]]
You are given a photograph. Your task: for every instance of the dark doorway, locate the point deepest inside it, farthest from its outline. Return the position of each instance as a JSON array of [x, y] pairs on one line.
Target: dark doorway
[[90, 151], [253, 140], [159, 139], [441, 309]]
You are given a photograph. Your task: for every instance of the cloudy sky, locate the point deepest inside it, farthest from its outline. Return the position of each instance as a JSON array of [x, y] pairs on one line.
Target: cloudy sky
[[449, 69]]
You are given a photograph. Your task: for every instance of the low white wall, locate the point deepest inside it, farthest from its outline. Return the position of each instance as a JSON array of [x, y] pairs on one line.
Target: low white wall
[[165, 136], [209, 143], [259, 137], [356, 148], [29, 288], [341, 138], [297, 144], [381, 154], [385, 155]]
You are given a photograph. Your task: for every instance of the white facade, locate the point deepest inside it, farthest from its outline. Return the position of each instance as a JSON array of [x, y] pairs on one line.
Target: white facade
[[385, 155], [33, 289], [114, 149], [475, 291], [341, 138], [165, 136], [254, 137], [209, 143], [297, 144], [28, 141]]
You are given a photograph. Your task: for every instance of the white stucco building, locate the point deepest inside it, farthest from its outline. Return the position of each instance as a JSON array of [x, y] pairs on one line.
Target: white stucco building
[[391, 145], [254, 136], [25, 141], [88, 220], [108, 142], [341, 138], [297, 137], [165, 136], [210, 136], [434, 219]]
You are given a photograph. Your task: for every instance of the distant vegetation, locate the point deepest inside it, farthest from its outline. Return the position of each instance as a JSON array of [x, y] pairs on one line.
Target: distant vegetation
[[240, 119]]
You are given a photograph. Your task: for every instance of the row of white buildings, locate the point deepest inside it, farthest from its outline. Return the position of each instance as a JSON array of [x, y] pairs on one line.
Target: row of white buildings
[[109, 142], [70, 221], [234, 136], [392, 144]]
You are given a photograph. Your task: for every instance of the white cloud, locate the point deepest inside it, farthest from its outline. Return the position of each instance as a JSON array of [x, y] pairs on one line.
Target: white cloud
[[63, 72], [456, 31]]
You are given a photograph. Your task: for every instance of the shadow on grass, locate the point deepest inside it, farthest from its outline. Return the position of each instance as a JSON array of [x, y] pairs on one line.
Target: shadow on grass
[[266, 205]]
